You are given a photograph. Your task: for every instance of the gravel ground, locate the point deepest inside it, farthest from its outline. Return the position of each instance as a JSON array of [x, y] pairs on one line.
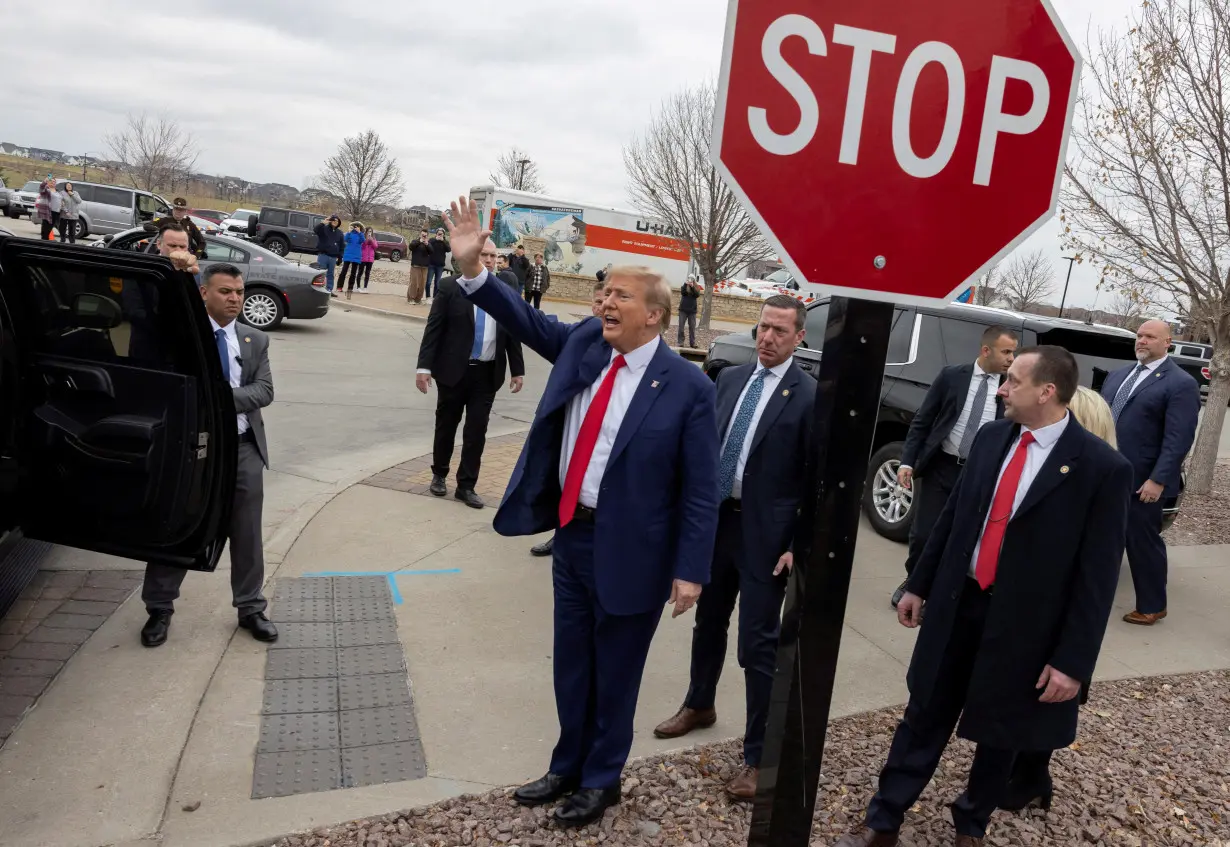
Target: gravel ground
[[1151, 768], [1204, 520]]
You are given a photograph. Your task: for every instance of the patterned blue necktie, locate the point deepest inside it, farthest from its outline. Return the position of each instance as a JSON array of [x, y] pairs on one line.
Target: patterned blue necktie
[[480, 330], [224, 353], [738, 434], [1125, 392]]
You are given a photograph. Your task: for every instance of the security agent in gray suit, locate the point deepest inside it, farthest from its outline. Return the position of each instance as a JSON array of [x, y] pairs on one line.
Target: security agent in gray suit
[[245, 363]]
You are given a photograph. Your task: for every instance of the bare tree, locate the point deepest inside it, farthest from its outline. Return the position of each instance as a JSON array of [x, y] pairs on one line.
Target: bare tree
[[1127, 309], [155, 152], [362, 175], [671, 178], [1028, 282], [517, 171], [986, 293], [1147, 189]]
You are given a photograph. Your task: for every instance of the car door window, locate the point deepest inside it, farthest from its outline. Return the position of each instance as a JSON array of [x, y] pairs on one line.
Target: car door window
[[86, 192], [216, 251], [901, 348], [817, 319], [113, 196], [298, 219], [275, 217], [962, 340]]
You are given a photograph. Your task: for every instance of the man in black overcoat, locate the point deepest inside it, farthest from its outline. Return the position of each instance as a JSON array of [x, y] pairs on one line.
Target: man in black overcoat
[[1017, 580]]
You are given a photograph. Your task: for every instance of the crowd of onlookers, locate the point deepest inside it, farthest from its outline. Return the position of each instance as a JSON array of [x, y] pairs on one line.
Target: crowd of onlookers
[[57, 208]]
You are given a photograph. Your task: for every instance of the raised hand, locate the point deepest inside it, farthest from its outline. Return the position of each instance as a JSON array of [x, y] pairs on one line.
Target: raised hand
[[466, 236]]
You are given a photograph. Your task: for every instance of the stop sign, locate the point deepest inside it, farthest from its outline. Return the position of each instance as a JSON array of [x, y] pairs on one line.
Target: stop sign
[[892, 149]]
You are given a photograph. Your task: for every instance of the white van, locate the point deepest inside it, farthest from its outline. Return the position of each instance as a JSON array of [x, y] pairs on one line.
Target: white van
[[108, 209]]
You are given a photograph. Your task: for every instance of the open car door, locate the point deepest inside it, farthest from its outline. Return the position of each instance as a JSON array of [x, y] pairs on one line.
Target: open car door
[[119, 434]]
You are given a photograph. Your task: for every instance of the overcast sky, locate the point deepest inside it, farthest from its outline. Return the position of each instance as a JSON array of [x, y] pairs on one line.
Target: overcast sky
[[270, 88]]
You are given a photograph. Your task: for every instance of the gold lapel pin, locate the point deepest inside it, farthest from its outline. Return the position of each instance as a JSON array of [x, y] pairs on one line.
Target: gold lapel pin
[[1064, 469], [654, 384], [247, 339], [785, 392]]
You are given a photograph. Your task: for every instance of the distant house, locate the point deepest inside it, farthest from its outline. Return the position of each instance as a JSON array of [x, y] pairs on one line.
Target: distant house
[[47, 155], [10, 149]]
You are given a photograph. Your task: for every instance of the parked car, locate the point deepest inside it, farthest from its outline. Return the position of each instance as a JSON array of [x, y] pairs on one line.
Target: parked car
[[108, 209], [214, 216], [286, 230], [236, 223], [116, 424], [390, 245], [923, 340], [4, 198], [22, 200], [205, 225], [274, 289]]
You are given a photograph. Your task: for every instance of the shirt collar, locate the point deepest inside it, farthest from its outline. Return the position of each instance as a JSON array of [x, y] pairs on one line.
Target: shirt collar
[[778, 371], [978, 371], [1154, 365], [639, 359], [229, 329], [1046, 436]]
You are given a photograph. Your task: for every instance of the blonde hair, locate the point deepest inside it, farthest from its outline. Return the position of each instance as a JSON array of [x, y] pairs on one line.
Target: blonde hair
[[658, 294], [1093, 414]]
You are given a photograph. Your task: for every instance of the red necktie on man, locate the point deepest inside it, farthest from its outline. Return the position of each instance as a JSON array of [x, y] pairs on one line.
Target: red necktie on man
[[1001, 511], [587, 438]]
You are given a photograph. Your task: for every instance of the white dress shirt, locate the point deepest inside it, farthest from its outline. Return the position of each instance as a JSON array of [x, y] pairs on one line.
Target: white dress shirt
[[1150, 370], [771, 381], [1035, 456], [626, 382], [236, 368], [488, 350], [952, 443]]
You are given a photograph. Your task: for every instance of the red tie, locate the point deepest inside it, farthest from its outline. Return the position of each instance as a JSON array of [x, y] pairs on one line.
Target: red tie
[[1001, 511], [583, 450]]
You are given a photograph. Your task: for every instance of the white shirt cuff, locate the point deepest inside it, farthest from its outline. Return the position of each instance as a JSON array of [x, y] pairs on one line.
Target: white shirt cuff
[[469, 286], [424, 371]]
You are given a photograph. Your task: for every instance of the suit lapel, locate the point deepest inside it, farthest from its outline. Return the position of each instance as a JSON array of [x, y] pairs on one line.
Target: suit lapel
[[248, 366], [781, 396], [653, 384], [1149, 380], [1056, 468]]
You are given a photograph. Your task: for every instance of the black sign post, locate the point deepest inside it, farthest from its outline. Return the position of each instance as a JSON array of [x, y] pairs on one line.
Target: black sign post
[[847, 401]]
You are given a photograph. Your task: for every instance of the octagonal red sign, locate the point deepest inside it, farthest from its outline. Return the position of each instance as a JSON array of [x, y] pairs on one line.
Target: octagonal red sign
[[892, 149]]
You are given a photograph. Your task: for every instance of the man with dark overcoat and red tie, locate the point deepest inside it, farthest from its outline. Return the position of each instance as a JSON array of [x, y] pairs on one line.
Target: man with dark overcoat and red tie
[[622, 461]]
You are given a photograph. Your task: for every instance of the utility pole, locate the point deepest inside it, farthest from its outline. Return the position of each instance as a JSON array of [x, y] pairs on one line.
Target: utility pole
[[1070, 260], [521, 173]]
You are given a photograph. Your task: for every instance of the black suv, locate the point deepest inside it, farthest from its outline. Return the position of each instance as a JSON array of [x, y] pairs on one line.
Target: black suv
[[923, 341], [117, 427], [282, 231]]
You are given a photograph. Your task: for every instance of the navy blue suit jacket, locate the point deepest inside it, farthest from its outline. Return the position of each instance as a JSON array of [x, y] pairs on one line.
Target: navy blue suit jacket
[[1157, 426], [657, 506], [775, 477]]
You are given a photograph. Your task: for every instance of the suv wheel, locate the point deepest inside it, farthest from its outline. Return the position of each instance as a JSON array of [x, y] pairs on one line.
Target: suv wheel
[[262, 309], [276, 244], [395, 256], [82, 229], [887, 504]]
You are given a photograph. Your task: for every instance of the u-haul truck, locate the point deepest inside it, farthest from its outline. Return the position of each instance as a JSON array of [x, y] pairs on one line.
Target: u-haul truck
[[578, 238]]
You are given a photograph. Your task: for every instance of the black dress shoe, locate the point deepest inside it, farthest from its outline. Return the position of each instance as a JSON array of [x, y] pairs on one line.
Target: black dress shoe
[[156, 628], [548, 789], [437, 486], [259, 626], [467, 496], [543, 549], [586, 805]]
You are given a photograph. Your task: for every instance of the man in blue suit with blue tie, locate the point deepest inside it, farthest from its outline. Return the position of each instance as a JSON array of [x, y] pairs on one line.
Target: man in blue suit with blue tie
[[1156, 406], [621, 460]]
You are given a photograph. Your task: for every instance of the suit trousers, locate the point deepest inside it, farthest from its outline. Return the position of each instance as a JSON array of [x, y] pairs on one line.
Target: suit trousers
[[1146, 553], [599, 660], [931, 494], [923, 734], [473, 396], [162, 582], [760, 607]]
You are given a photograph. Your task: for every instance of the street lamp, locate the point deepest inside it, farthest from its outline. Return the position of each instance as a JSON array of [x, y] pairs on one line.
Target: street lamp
[[1070, 260]]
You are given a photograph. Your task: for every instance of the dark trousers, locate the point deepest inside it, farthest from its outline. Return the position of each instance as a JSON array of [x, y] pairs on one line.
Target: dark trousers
[[68, 230], [45, 229], [930, 494], [1146, 552], [472, 396], [760, 606], [435, 273], [534, 298], [353, 269], [923, 734], [599, 660], [367, 273], [162, 582], [690, 320]]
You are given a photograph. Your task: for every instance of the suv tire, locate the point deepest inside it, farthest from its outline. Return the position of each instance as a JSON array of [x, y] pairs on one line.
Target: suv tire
[[888, 507], [82, 229], [276, 244], [395, 256], [262, 308]]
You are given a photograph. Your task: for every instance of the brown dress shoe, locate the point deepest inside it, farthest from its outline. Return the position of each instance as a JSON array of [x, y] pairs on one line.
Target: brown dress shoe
[[684, 721], [867, 838], [1142, 619], [967, 841], [743, 786]]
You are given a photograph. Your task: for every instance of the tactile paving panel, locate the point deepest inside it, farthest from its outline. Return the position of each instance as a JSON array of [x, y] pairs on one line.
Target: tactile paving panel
[[365, 727], [316, 589], [289, 609], [383, 763], [299, 635], [363, 608], [364, 633], [301, 772], [310, 731], [369, 692], [360, 586], [292, 696], [301, 663], [381, 658]]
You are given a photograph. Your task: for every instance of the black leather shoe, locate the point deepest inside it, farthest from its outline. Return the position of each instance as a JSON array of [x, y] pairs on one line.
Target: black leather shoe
[[546, 790], [156, 628], [586, 805], [899, 593], [259, 626], [437, 486], [467, 496], [543, 549]]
